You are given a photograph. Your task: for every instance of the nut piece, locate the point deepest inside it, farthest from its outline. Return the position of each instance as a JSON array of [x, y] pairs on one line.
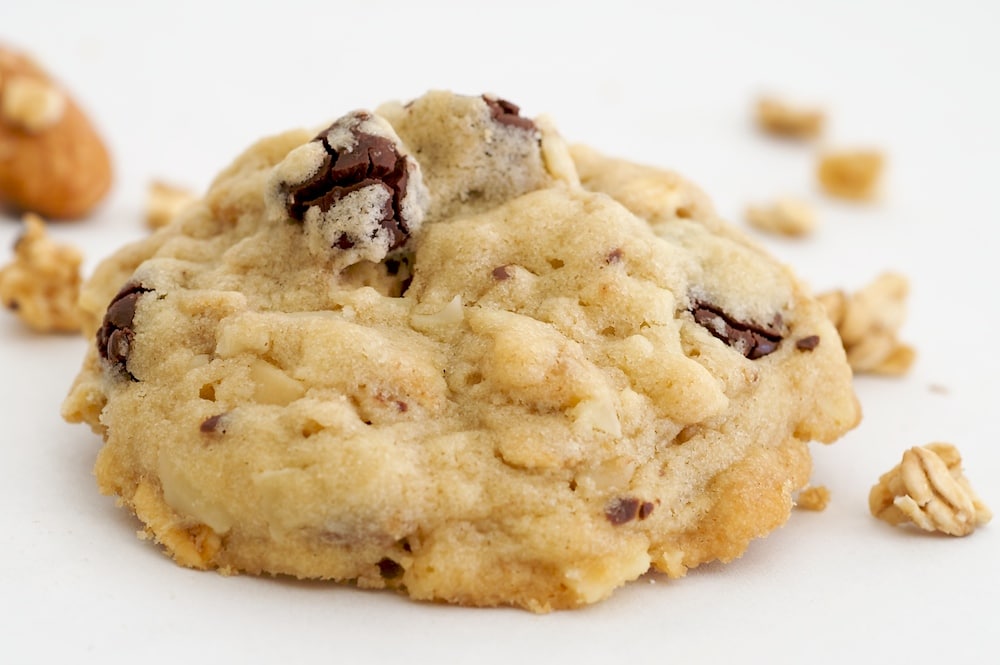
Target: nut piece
[[42, 283], [164, 201], [31, 104], [814, 498], [788, 216], [929, 489], [52, 162], [780, 118], [868, 322], [850, 174]]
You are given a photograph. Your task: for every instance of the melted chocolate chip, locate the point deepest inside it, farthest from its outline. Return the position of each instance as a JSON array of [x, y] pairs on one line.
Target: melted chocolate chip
[[373, 160], [614, 256], [622, 510], [753, 340], [807, 343], [646, 509], [115, 336], [501, 274], [507, 113]]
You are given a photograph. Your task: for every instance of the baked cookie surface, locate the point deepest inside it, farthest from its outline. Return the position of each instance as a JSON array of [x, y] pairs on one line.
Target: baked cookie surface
[[431, 348]]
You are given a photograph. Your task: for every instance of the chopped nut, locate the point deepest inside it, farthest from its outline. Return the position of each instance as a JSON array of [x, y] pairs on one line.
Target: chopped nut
[[850, 174], [42, 283], [929, 489], [813, 498], [450, 315], [787, 216], [778, 117], [868, 322], [52, 160], [31, 104], [272, 385], [164, 201]]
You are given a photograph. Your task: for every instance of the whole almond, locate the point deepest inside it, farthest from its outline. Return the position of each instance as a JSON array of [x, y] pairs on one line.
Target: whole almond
[[52, 160]]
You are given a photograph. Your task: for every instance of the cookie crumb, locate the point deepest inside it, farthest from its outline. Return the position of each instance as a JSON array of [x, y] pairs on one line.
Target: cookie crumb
[[869, 321], [814, 498], [164, 201], [787, 216], [928, 488], [850, 174], [781, 118], [42, 283]]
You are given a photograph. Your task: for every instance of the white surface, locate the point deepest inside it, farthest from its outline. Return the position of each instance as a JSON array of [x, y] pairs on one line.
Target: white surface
[[179, 89]]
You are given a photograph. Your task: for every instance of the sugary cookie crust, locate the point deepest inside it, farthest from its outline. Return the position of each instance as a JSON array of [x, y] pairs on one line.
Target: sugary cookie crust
[[545, 389]]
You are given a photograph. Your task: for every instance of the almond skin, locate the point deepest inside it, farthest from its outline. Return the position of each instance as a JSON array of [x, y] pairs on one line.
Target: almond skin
[[62, 170]]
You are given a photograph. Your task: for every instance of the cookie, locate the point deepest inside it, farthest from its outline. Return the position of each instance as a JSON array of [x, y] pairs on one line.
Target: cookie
[[433, 349]]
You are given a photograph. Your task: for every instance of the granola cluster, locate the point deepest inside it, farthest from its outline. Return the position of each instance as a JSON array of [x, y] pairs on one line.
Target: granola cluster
[[928, 489], [869, 320], [42, 283]]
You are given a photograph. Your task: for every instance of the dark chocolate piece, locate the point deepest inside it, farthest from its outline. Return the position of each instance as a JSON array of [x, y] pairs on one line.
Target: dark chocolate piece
[[807, 343], [507, 113], [622, 510], [213, 424], [753, 340], [372, 160], [116, 334]]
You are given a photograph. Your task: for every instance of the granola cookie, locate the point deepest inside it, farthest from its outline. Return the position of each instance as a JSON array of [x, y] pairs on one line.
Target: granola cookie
[[432, 349]]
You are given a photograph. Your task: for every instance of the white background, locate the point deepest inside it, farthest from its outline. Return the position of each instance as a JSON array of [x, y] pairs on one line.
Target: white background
[[179, 88]]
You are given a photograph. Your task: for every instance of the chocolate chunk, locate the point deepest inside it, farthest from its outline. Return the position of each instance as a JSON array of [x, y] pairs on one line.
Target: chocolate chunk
[[614, 256], [389, 569], [116, 334], [622, 510], [752, 339], [807, 343], [213, 424], [371, 160], [507, 113], [500, 274], [646, 509]]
